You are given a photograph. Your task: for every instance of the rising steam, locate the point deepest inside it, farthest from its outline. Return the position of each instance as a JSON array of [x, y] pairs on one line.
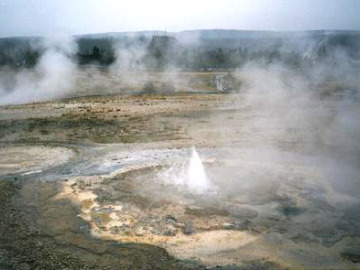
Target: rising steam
[[53, 76], [311, 113]]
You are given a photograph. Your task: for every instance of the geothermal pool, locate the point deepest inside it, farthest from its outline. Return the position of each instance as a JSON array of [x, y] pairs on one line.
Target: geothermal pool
[[218, 206], [133, 191]]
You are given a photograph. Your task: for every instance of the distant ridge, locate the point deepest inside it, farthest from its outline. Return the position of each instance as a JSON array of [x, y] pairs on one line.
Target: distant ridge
[[204, 32]]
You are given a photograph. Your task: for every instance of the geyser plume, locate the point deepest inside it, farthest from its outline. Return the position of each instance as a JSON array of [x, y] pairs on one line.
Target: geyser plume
[[197, 180]]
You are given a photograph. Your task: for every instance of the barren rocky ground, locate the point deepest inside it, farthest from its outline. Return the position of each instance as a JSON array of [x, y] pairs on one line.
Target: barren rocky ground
[[81, 188]]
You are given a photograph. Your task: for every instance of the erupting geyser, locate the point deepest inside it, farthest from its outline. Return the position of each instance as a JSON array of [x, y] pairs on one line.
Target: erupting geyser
[[196, 180]]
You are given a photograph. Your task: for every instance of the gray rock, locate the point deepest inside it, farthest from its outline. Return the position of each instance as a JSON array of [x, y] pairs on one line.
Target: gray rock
[[170, 232], [189, 228], [169, 219]]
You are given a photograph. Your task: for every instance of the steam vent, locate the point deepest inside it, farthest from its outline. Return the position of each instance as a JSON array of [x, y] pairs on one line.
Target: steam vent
[[204, 149]]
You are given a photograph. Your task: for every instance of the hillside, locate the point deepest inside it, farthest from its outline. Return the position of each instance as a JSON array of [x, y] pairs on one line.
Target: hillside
[[196, 49]]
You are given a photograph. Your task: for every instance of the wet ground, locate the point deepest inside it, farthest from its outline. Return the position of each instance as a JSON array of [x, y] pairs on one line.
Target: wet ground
[[91, 183]]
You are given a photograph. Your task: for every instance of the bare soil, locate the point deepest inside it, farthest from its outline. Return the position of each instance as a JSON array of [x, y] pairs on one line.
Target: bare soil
[[73, 190]]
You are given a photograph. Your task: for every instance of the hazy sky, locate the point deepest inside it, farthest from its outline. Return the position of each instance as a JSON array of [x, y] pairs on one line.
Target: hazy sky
[[51, 17]]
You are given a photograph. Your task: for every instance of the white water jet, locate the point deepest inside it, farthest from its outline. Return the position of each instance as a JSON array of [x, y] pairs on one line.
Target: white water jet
[[197, 181]]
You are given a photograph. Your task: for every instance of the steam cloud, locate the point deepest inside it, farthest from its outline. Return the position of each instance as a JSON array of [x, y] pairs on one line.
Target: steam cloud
[[311, 113], [53, 76]]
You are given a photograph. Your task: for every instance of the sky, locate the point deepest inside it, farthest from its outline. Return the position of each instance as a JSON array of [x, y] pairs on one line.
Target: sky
[[63, 17]]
